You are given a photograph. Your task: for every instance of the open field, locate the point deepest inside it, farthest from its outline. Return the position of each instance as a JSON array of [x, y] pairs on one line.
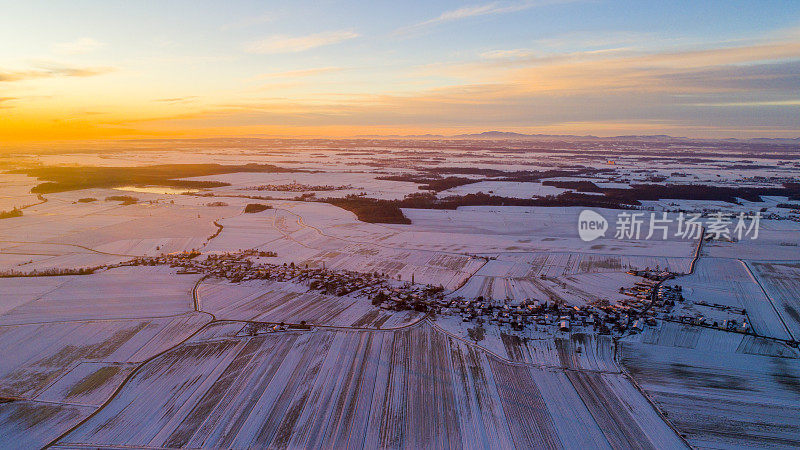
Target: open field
[[122, 293], [33, 425], [728, 282], [320, 234], [505, 189], [579, 350], [243, 184], [15, 191], [718, 396], [782, 284], [407, 388], [89, 383], [59, 373], [47, 351], [293, 303], [62, 233], [71, 340], [532, 229], [575, 278], [777, 241]]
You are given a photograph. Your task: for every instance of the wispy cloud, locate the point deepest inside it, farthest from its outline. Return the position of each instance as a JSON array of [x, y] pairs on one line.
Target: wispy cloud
[[293, 44], [4, 100], [78, 46], [177, 99], [754, 76], [599, 91], [52, 70], [571, 46], [793, 103], [516, 53], [487, 9]]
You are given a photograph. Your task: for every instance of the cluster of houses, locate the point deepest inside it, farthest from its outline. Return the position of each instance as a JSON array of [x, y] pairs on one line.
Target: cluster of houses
[[649, 299], [244, 265], [739, 326], [714, 315], [297, 187], [663, 298], [788, 214], [601, 316]]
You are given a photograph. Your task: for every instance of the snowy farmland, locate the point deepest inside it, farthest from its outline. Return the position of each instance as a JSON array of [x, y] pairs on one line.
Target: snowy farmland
[[719, 389], [61, 372], [65, 233], [318, 235], [357, 183], [287, 302], [121, 293], [574, 278], [116, 335], [782, 284], [412, 388], [728, 282], [506, 189]]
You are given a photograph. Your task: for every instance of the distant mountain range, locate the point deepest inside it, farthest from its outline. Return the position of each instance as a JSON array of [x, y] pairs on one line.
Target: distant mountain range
[[521, 136]]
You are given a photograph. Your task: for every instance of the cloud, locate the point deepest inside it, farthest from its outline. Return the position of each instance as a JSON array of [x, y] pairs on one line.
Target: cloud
[[717, 91], [752, 77], [3, 100], [51, 71], [78, 46], [723, 67], [78, 71], [293, 44], [470, 11], [516, 53], [177, 99], [487, 9], [794, 103], [574, 46]]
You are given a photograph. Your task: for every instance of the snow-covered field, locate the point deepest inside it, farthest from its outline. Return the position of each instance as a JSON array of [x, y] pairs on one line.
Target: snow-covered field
[[123, 293], [782, 284], [15, 191], [147, 357], [512, 229], [63, 233], [58, 373], [728, 282], [264, 301], [720, 390], [515, 189], [412, 388], [360, 183]]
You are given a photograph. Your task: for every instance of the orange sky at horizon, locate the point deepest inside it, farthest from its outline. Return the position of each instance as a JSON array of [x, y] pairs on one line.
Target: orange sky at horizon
[[445, 69]]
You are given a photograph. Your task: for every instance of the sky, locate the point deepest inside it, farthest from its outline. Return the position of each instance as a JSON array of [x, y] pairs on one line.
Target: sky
[[109, 69]]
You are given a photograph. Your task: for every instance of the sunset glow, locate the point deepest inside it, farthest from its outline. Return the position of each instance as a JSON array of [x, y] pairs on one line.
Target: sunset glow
[[94, 69]]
